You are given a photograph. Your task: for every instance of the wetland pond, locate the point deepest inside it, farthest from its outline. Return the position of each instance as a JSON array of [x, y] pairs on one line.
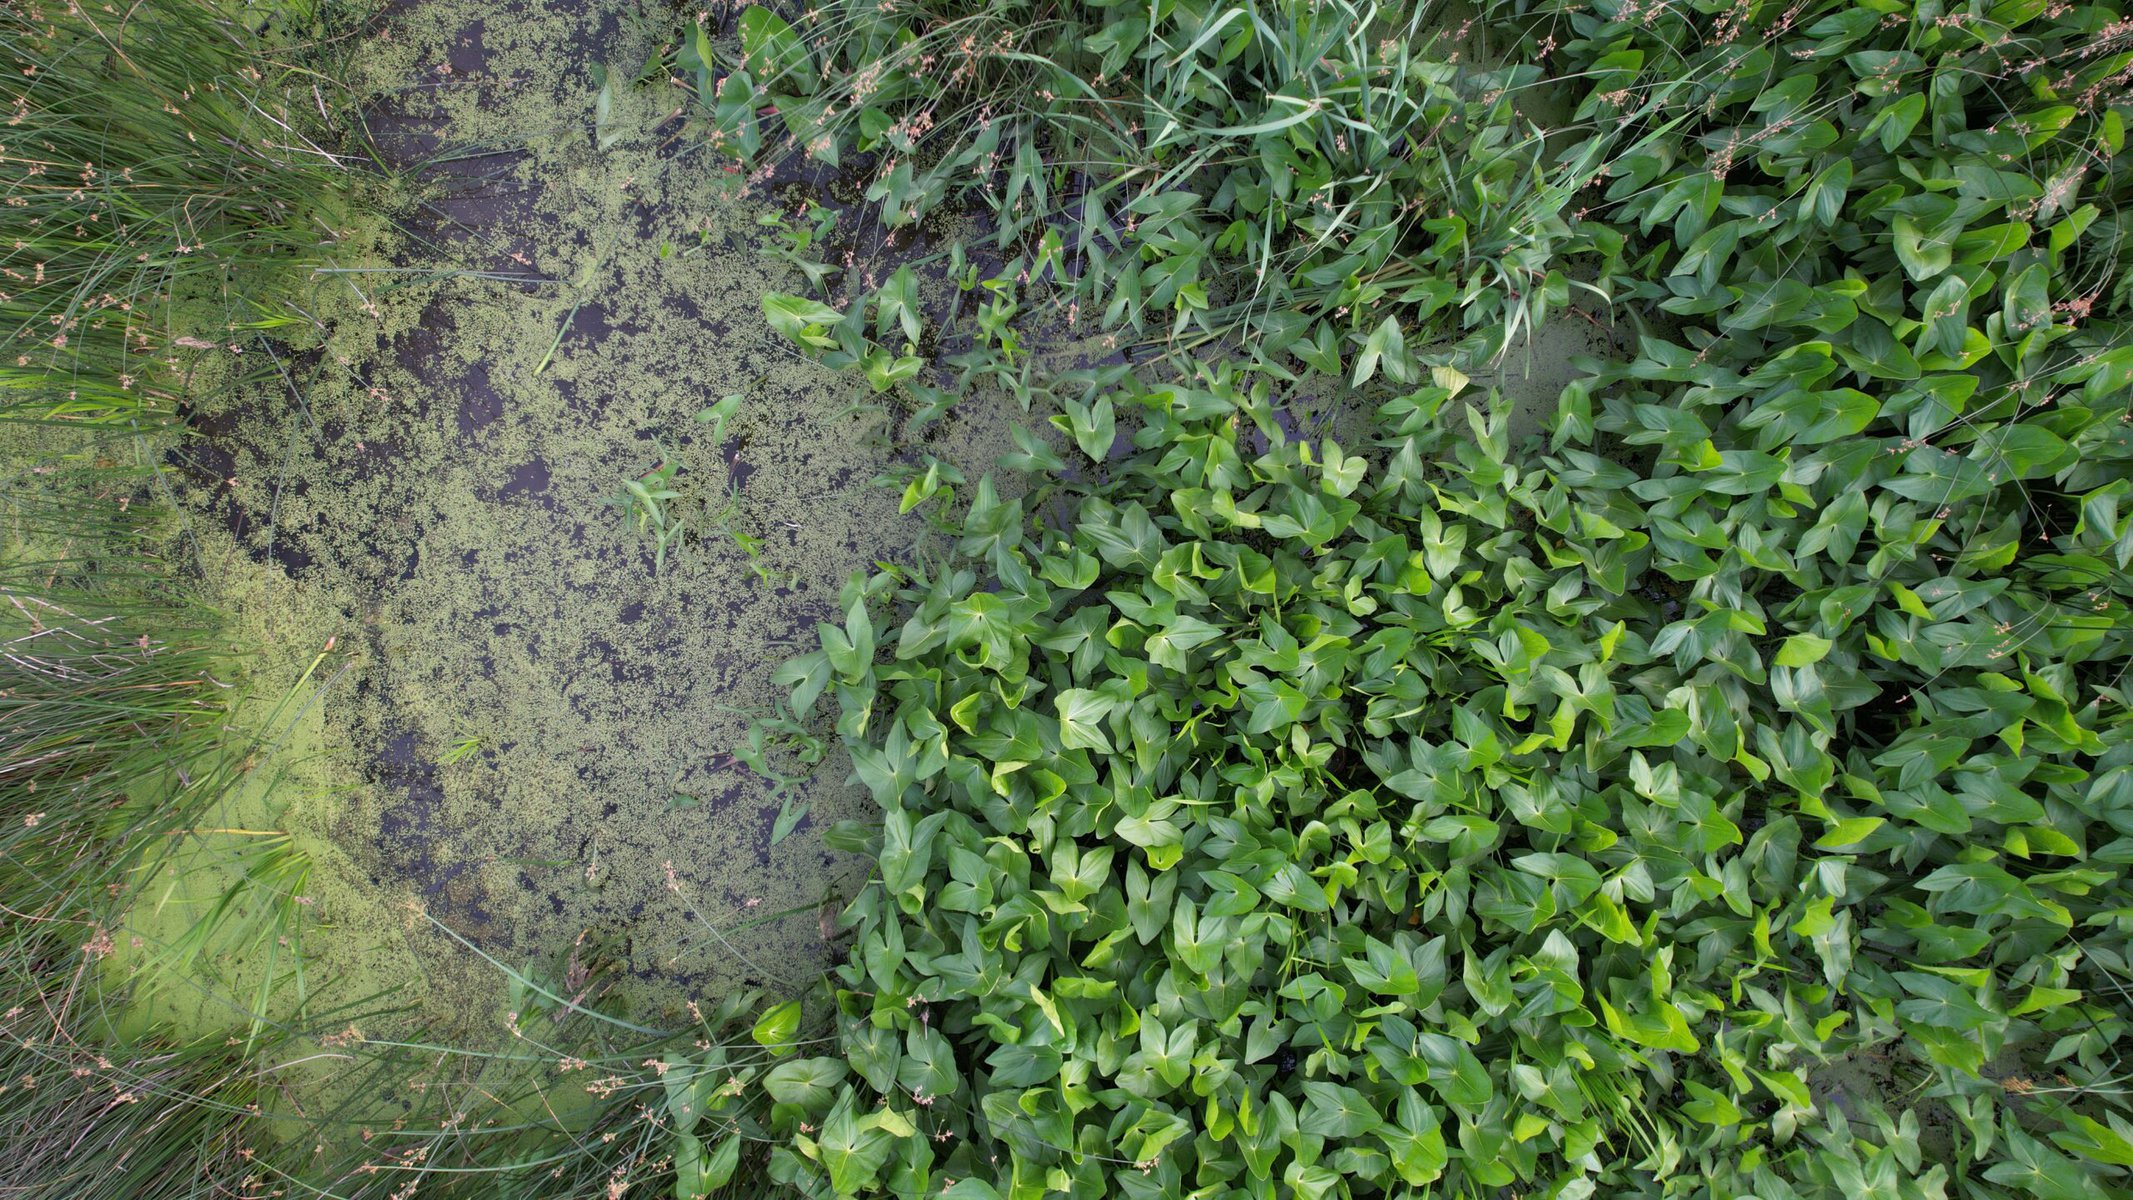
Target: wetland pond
[[523, 739], [533, 737]]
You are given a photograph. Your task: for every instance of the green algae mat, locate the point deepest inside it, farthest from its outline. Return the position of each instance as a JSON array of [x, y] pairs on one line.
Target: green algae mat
[[533, 726]]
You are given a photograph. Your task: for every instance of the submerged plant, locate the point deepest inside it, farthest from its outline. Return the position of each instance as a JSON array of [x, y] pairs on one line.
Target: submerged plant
[[647, 504], [778, 734], [795, 243], [463, 747], [673, 514]]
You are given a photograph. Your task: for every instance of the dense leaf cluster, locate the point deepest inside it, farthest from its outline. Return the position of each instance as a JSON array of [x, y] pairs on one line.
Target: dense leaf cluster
[[1627, 810], [1347, 823]]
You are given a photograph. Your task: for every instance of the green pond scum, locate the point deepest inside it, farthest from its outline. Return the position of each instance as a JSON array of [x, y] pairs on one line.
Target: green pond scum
[[534, 736]]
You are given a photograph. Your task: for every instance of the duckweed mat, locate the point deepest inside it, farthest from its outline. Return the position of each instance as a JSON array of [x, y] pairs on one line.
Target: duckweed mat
[[539, 724]]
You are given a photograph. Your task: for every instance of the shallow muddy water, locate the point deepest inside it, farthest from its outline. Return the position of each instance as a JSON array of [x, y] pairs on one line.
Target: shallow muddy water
[[535, 738]]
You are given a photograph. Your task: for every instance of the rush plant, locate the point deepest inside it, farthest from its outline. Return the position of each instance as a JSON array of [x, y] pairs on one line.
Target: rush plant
[[1297, 182]]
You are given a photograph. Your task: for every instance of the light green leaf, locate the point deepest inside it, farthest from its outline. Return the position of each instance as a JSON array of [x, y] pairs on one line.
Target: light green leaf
[[1081, 713], [777, 1027], [810, 1083], [1802, 650], [801, 319]]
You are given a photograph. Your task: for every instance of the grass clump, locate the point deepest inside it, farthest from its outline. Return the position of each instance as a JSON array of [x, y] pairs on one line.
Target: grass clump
[[1291, 181], [152, 160], [149, 166], [158, 184], [108, 1118], [112, 750]]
